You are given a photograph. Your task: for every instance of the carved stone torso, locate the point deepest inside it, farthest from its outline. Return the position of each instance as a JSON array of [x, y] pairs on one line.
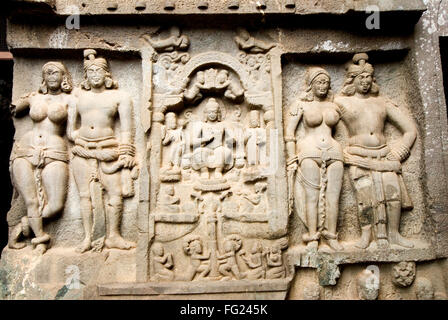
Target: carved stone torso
[[319, 118], [49, 113], [98, 112], [365, 119]]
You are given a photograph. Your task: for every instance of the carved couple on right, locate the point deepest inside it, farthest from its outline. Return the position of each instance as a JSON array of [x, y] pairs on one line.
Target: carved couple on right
[[316, 162]]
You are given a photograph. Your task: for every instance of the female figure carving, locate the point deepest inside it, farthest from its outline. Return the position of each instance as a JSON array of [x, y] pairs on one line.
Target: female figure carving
[[318, 159], [39, 159]]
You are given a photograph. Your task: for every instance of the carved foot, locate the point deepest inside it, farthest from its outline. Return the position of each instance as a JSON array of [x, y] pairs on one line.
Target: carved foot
[[40, 249], [39, 240], [118, 242], [85, 246], [335, 245], [362, 244], [14, 234], [397, 239], [312, 244]]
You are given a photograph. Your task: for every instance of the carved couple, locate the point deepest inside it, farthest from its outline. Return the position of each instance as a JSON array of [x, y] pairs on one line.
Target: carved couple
[[316, 162], [39, 160]]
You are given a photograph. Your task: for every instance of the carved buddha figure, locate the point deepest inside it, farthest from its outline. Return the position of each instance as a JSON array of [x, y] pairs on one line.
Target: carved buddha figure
[[375, 166], [99, 155], [39, 159], [211, 150], [318, 158]]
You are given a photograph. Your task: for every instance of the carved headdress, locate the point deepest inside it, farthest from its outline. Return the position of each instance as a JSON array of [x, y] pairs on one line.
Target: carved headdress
[[358, 66], [311, 74], [90, 59], [66, 84]]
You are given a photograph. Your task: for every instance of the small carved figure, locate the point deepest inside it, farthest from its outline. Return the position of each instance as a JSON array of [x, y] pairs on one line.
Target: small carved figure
[[403, 273], [172, 135], [249, 44], [214, 80], [39, 159], [163, 263], [168, 201], [367, 285], [98, 154], [228, 265], [254, 260], [274, 260], [166, 69], [255, 140], [318, 160], [175, 41], [259, 68], [375, 166], [199, 260], [211, 152], [253, 202], [424, 290]]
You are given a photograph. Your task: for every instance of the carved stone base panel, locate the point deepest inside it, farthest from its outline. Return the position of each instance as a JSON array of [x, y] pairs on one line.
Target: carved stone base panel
[[62, 273], [240, 289]]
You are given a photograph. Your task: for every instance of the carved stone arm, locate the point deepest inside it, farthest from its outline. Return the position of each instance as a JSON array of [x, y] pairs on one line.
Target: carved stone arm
[[407, 126], [20, 105]]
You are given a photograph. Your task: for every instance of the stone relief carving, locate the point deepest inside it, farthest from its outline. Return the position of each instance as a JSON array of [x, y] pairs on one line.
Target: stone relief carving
[[374, 163], [39, 159], [174, 42], [163, 263], [251, 45], [315, 163], [403, 273], [212, 203], [103, 158], [367, 285], [424, 289]]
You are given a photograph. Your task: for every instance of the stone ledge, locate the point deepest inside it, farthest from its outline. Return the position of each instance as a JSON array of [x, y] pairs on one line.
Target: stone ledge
[[195, 287], [266, 7], [300, 256]]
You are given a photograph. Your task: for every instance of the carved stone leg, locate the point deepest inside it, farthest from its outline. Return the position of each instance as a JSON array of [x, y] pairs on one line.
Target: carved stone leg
[[41, 237], [393, 209], [364, 241], [14, 234], [334, 172], [311, 173], [394, 213], [86, 214], [54, 180], [114, 210]]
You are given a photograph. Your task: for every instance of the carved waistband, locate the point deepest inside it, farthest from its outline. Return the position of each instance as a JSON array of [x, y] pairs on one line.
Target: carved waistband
[[371, 152], [381, 165], [38, 155], [98, 143], [104, 149]]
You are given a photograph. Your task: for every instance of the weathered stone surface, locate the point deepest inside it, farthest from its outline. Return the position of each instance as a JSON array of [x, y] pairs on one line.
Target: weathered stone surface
[[182, 159]]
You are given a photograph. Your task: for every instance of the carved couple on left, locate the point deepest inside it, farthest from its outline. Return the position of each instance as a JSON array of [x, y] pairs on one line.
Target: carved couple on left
[[40, 158]]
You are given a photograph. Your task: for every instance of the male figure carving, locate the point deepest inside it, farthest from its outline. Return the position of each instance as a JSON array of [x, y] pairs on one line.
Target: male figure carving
[[99, 154], [375, 165]]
